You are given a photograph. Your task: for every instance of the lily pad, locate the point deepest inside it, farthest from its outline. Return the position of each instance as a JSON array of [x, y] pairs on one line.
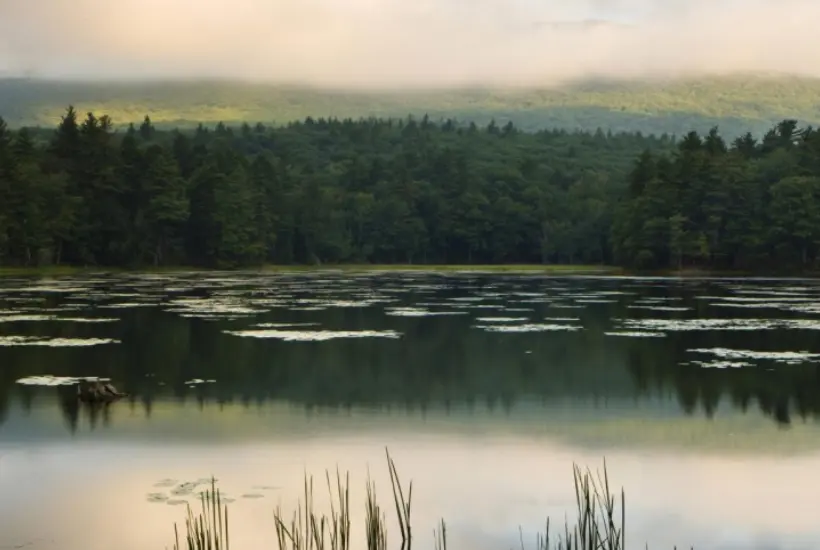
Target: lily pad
[[166, 483]]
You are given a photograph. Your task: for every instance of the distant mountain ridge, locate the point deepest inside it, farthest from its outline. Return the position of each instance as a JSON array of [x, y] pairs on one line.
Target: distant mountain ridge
[[734, 103]]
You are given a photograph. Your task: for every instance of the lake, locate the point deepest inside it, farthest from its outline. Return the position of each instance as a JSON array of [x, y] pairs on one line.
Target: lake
[[701, 394]]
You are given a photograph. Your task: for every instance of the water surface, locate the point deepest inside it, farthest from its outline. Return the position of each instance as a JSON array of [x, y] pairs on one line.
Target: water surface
[[701, 394]]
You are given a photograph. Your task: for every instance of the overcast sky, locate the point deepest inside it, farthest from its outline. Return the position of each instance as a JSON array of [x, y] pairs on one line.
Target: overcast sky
[[400, 43]]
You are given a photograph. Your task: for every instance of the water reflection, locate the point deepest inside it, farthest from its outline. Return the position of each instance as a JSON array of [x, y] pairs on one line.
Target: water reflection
[[487, 422], [486, 484], [438, 361], [435, 370]]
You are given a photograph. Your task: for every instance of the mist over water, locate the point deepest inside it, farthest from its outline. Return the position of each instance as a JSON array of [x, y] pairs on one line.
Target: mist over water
[[395, 43]]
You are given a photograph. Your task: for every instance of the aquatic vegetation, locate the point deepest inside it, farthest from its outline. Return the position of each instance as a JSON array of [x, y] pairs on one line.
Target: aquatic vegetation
[[501, 319], [284, 325], [671, 325], [54, 342], [637, 334], [48, 380], [87, 319], [25, 318], [42, 318], [419, 312], [212, 306], [349, 303], [718, 364], [165, 483], [530, 327], [127, 305], [748, 305], [660, 308], [786, 357], [314, 336], [599, 525]]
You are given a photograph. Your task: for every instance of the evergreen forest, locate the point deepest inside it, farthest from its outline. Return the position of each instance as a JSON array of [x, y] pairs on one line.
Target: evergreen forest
[[405, 191]]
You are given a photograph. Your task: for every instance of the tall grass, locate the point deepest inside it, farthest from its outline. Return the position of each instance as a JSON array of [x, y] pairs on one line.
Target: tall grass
[[599, 525]]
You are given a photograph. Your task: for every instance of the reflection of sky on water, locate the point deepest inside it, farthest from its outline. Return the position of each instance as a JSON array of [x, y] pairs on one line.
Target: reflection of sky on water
[[89, 494]]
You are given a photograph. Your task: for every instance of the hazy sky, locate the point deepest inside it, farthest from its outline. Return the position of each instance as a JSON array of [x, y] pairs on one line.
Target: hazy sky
[[399, 43]]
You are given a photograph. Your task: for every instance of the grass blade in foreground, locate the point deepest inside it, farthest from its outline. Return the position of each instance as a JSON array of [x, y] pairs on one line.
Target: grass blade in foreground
[[598, 526]]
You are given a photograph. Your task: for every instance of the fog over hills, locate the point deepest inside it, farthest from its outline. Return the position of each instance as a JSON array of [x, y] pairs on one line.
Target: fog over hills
[[649, 65], [395, 43], [736, 104]]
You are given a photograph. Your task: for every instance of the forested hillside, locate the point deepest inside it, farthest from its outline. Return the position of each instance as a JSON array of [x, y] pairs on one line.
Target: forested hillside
[[736, 104], [409, 191]]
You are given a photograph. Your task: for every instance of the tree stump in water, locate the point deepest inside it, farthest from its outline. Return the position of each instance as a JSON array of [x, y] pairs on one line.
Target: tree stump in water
[[96, 392]]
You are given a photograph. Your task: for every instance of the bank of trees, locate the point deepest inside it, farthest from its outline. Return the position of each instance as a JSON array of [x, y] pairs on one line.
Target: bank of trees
[[748, 204], [403, 191]]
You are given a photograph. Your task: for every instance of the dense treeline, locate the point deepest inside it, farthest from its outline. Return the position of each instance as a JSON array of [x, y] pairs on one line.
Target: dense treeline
[[319, 191], [750, 205], [408, 191]]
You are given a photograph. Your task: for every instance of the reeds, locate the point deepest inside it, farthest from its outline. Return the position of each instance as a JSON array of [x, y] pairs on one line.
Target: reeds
[[599, 525], [208, 530]]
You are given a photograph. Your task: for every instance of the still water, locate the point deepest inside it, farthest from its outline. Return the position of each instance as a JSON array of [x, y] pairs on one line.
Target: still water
[[702, 395]]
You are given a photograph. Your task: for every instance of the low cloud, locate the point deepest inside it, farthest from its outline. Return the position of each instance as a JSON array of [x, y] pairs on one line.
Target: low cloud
[[407, 43]]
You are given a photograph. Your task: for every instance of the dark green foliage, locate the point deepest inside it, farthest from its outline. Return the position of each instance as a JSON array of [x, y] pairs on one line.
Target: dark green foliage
[[750, 205], [327, 191], [316, 192]]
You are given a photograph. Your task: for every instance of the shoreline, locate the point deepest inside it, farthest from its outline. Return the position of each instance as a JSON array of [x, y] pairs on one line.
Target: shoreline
[[548, 269], [53, 271]]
